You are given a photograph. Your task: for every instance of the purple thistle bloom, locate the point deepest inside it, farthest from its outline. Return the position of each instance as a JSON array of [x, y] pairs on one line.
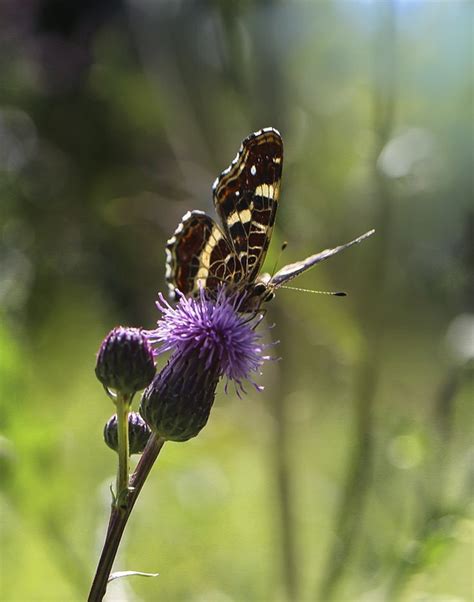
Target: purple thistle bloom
[[224, 340], [208, 339]]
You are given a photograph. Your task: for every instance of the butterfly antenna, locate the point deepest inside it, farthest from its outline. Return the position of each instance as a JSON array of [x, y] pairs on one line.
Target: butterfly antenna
[[307, 290], [277, 261]]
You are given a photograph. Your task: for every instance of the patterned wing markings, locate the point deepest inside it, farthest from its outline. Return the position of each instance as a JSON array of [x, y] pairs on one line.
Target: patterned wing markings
[[199, 255], [246, 198]]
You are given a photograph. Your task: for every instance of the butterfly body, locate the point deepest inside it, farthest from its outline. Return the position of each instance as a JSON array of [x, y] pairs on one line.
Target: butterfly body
[[202, 254]]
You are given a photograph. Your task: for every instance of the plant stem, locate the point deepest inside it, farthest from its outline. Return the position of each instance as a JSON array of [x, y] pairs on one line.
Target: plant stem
[[350, 514], [282, 468], [119, 517], [123, 408]]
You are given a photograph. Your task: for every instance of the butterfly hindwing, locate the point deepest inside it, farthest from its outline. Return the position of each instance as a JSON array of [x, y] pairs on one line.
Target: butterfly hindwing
[[246, 198], [199, 255]]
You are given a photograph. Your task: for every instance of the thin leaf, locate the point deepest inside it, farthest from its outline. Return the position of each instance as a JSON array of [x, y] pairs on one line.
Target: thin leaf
[[119, 574]]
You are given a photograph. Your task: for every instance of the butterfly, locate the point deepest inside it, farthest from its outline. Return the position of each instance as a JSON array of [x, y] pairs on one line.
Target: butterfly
[[204, 254]]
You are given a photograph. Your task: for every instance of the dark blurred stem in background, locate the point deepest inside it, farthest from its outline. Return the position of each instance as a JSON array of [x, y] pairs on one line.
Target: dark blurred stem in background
[[281, 462], [440, 512], [265, 75], [349, 520], [434, 533]]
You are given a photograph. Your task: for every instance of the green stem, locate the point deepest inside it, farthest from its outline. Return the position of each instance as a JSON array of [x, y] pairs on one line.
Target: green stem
[[123, 409], [119, 518]]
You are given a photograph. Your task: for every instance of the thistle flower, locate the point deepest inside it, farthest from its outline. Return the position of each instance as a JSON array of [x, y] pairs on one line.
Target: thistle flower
[[209, 340]]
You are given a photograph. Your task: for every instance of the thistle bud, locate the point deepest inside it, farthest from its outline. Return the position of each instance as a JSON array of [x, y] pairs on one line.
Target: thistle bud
[[125, 361], [178, 402], [138, 433]]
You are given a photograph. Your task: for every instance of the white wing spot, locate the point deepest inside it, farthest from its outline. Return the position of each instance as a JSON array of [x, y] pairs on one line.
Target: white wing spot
[[253, 170]]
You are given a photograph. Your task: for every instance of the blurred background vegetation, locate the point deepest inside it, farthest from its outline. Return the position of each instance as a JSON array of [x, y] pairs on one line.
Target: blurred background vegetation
[[350, 477]]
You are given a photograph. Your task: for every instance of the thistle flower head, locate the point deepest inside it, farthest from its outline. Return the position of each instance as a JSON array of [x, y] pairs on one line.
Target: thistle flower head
[[213, 330], [208, 339]]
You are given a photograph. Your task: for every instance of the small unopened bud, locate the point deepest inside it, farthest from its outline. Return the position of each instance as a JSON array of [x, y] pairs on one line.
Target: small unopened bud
[[138, 433], [178, 402], [125, 361]]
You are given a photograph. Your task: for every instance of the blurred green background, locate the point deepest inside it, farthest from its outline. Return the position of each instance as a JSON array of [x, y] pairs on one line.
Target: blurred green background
[[350, 477]]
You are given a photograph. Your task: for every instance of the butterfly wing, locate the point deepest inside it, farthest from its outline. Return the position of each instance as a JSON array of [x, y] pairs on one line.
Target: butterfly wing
[[199, 255], [292, 270], [246, 198]]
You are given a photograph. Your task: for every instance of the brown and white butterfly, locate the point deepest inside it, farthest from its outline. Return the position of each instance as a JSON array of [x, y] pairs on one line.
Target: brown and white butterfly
[[202, 254]]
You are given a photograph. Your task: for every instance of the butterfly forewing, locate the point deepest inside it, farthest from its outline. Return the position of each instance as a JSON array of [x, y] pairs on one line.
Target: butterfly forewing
[[199, 255], [246, 198]]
